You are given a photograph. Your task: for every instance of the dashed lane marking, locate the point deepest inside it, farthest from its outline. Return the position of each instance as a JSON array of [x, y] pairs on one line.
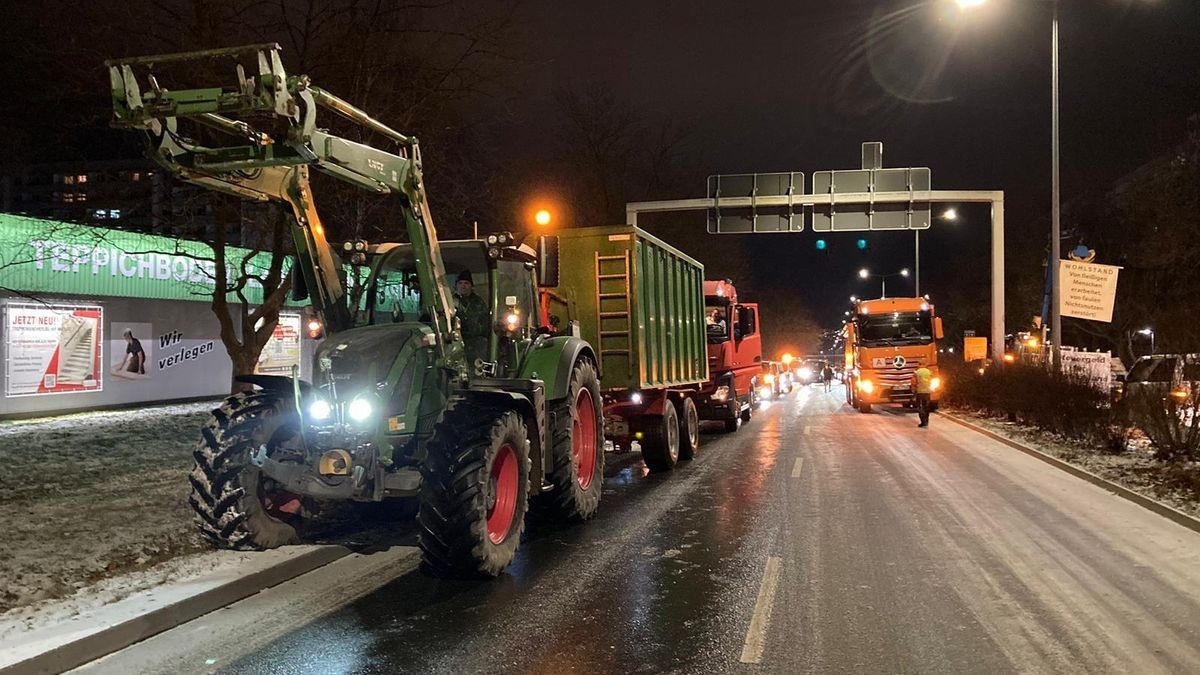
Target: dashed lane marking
[[796, 468], [756, 635]]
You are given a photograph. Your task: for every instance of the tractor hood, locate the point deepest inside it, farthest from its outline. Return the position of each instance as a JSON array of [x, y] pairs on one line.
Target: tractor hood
[[363, 359]]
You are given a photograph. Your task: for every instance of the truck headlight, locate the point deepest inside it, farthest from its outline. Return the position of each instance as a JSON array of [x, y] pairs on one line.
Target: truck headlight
[[320, 410], [721, 394], [360, 409], [866, 386], [769, 379], [935, 384], [805, 373]]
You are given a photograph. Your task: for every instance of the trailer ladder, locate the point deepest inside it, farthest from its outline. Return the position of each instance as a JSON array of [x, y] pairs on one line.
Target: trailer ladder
[[613, 310]]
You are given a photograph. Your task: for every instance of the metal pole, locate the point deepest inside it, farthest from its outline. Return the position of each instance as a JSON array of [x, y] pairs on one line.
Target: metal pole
[[883, 287], [1055, 225], [917, 257], [998, 279]]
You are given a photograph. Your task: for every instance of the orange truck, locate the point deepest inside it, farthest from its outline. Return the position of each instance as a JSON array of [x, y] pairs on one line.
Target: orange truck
[[887, 340]]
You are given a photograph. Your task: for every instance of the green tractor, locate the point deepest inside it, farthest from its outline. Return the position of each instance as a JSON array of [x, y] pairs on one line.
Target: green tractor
[[469, 405]]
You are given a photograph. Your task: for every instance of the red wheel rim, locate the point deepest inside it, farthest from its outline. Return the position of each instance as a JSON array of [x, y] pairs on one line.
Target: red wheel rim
[[279, 504], [502, 492], [583, 439]]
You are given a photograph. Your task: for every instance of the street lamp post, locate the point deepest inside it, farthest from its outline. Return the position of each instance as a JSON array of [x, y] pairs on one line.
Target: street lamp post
[[1055, 202], [864, 273], [1150, 333]]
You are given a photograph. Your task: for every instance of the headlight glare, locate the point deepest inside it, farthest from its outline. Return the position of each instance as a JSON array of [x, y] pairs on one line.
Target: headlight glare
[[360, 409], [320, 410]]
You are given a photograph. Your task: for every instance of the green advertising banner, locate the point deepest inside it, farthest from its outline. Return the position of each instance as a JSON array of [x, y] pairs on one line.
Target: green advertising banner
[[46, 257]]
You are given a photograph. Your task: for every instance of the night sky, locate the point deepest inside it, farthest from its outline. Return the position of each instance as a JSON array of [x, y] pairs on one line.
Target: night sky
[[779, 86]]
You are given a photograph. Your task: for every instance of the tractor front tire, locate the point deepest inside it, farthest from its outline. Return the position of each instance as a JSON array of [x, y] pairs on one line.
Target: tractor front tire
[[474, 493], [234, 509], [577, 449], [660, 445]]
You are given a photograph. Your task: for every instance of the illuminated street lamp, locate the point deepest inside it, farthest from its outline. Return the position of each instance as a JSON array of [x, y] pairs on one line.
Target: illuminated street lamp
[[950, 214], [542, 217], [864, 273], [1149, 332], [1055, 202]]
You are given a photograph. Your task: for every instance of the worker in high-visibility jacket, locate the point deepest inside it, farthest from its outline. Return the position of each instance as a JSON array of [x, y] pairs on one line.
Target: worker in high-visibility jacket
[[922, 381]]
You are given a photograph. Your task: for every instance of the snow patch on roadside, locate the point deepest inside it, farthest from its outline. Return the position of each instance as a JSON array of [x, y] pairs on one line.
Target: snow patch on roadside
[[93, 495], [22, 621]]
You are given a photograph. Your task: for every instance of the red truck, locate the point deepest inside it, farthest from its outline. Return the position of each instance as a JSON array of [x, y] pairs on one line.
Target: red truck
[[734, 356]]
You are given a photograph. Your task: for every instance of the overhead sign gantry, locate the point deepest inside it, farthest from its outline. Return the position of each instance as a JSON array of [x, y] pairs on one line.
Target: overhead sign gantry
[[862, 200]]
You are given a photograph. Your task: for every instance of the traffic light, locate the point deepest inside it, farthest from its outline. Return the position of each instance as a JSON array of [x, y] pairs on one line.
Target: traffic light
[[861, 244], [822, 245]]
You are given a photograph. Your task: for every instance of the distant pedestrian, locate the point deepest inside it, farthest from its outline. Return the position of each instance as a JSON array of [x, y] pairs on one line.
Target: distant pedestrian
[[827, 377], [922, 380]]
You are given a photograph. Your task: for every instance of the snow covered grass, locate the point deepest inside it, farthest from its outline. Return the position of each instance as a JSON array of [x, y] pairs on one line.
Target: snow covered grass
[[1133, 466], [89, 495]]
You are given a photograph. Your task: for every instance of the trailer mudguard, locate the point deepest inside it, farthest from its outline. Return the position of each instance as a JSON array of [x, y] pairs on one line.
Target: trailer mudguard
[[551, 361]]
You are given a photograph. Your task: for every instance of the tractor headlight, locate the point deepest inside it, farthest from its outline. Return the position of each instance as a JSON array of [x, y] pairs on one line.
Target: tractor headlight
[[360, 409], [636, 398], [320, 410], [866, 386], [935, 384], [721, 394], [805, 373]]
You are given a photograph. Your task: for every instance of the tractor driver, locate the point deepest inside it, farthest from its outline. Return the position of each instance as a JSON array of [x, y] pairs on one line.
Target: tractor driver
[[472, 315]]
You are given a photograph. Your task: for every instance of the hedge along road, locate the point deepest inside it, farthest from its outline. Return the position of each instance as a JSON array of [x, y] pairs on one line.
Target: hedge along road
[[815, 539]]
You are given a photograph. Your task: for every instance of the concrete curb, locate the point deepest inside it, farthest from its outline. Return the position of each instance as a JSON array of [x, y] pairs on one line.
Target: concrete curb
[[117, 637], [1169, 512]]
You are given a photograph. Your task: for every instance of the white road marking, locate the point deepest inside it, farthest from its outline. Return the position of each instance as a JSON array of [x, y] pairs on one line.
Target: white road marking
[[807, 429], [797, 467], [756, 635]]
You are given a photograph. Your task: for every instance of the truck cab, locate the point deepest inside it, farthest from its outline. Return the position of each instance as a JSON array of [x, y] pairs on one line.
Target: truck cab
[[734, 356], [887, 340]]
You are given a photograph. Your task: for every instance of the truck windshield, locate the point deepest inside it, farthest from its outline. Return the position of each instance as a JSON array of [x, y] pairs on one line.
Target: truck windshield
[[716, 321], [895, 328]]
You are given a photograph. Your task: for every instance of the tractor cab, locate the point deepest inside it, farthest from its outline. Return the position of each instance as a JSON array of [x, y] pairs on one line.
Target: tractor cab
[[501, 275]]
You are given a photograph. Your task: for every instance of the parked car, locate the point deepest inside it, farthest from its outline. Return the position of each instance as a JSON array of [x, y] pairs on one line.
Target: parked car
[[1164, 374]]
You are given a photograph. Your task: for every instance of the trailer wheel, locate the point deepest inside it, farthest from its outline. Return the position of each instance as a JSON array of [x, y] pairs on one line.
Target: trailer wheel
[[474, 493], [689, 429], [577, 449], [660, 445], [236, 507]]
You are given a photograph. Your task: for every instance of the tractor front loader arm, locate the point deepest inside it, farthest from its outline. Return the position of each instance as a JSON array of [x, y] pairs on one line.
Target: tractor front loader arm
[[272, 163]]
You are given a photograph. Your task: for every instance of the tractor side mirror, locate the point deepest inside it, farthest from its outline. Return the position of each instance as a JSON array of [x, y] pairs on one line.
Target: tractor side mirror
[[547, 256], [937, 328], [299, 285]]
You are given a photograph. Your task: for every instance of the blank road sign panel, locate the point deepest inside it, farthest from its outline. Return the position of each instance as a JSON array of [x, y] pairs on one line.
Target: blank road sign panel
[[755, 218], [858, 217]]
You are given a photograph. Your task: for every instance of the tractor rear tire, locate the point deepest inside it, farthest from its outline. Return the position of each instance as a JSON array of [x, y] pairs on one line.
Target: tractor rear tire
[[577, 449], [748, 411], [233, 510], [689, 429], [660, 445], [474, 493], [864, 407]]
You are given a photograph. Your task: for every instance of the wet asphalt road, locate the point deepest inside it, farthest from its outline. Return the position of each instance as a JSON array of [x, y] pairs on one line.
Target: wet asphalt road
[[815, 539]]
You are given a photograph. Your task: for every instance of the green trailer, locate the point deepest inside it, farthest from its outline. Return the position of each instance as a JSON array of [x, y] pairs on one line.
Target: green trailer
[[640, 302]]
